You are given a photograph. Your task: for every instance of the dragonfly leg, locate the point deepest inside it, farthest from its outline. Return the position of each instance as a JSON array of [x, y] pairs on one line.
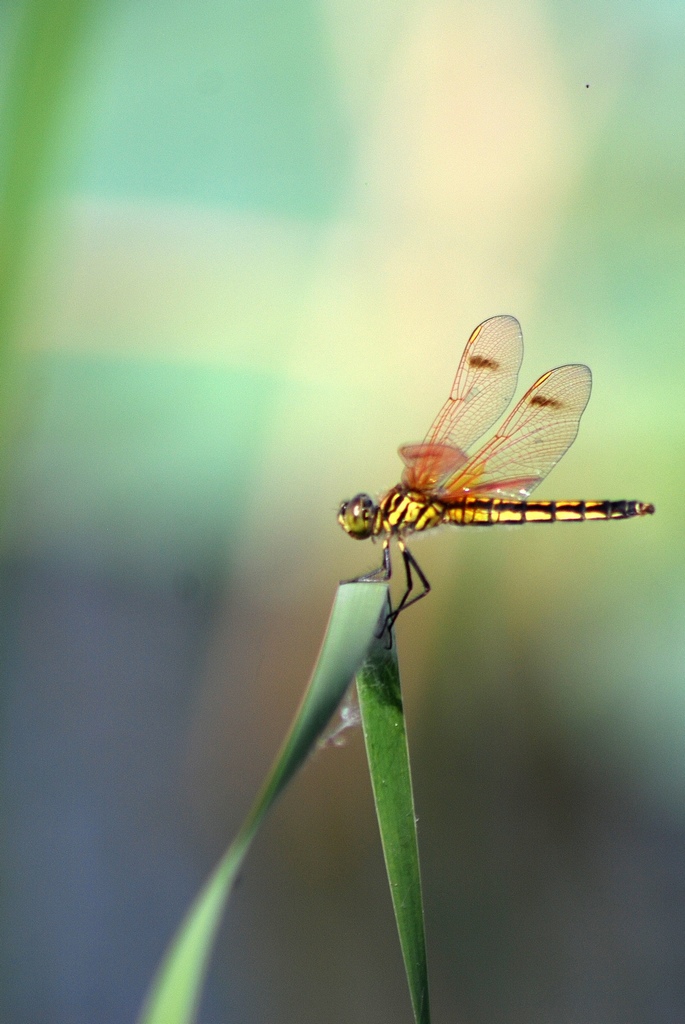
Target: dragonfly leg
[[410, 564], [382, 574]]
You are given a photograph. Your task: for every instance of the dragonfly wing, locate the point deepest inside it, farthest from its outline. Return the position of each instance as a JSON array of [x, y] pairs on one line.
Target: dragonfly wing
[[427, 463], [531, 440], [484, 384]]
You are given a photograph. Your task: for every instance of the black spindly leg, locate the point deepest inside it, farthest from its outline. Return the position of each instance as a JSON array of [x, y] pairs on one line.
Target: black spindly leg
[[409, 564], [382, 574]]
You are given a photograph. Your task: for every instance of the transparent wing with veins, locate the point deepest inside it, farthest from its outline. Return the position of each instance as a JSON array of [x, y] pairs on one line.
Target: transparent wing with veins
[[531, 440], [483, 388]]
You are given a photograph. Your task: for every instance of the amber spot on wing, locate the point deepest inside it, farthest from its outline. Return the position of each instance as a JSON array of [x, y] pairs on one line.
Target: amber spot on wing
[[550, 403], [483, 363]]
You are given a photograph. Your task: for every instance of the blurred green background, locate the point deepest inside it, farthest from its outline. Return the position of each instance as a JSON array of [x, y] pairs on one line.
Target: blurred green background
[[243, 245]]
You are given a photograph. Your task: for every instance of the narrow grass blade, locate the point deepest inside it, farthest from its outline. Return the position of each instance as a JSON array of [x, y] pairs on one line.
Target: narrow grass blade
[[175, 992], [380, 701], [35, 120]]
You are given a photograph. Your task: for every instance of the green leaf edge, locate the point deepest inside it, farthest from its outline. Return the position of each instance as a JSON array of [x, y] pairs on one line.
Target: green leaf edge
[[380, 702], [174, 995]]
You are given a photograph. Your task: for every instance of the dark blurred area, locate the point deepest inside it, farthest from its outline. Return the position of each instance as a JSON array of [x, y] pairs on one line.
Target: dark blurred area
[[252, 242]]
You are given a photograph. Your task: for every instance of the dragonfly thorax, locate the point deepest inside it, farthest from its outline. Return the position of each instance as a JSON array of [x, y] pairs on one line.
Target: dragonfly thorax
[[398, 513]]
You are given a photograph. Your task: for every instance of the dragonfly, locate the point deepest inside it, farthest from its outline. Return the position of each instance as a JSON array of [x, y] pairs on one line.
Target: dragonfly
[[443, 484]]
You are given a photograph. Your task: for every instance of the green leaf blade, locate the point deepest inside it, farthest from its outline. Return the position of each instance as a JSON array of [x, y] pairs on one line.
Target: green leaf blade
[[380, 701], [175, 992]]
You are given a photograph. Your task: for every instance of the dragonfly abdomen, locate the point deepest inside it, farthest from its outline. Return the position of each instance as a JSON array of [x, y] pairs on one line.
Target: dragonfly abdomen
[[475, 511]]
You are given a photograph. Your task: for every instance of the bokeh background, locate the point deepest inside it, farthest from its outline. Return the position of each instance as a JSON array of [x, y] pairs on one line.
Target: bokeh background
[[243, 245]]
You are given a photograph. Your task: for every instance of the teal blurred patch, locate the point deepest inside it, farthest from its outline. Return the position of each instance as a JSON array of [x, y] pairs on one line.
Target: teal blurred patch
[[227, 103], [622, 247], [126, 461]]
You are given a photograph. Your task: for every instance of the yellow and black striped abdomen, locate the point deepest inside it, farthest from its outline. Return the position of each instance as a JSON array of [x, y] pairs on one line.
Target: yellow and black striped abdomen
[[404, 512], [475, 511]]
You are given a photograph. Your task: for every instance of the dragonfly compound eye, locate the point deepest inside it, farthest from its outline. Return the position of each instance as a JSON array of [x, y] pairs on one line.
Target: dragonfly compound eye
[[356, 516]]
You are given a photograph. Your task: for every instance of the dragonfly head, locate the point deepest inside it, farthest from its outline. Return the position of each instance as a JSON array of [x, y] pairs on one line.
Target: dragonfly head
[[356, 516]]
